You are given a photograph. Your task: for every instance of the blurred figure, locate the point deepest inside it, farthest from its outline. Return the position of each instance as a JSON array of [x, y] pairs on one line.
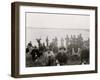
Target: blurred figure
[[29, 47], [62, 56], [34, 53], [85, 56], [50, 58]]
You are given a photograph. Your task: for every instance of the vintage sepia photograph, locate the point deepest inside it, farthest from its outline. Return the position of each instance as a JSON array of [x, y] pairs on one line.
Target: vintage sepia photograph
[[57, 39]]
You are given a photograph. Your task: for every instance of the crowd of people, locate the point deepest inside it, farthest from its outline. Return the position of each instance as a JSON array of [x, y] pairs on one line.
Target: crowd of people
[[75, 52]]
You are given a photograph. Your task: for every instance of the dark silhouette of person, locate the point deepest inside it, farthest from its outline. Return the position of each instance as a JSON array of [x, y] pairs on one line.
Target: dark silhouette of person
[[34, 53]]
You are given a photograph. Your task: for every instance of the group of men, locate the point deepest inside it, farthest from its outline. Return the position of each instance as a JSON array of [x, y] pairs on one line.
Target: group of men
[[50, 54], [44, 56]]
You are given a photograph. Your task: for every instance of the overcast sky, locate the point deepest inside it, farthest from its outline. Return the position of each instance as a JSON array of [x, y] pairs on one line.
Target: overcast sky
[[41, 20]]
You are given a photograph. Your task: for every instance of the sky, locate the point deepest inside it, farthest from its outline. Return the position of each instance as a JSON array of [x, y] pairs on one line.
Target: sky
[[44, 20]]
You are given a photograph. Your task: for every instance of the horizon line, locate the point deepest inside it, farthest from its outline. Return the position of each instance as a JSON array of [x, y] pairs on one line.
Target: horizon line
[[60, 28]]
